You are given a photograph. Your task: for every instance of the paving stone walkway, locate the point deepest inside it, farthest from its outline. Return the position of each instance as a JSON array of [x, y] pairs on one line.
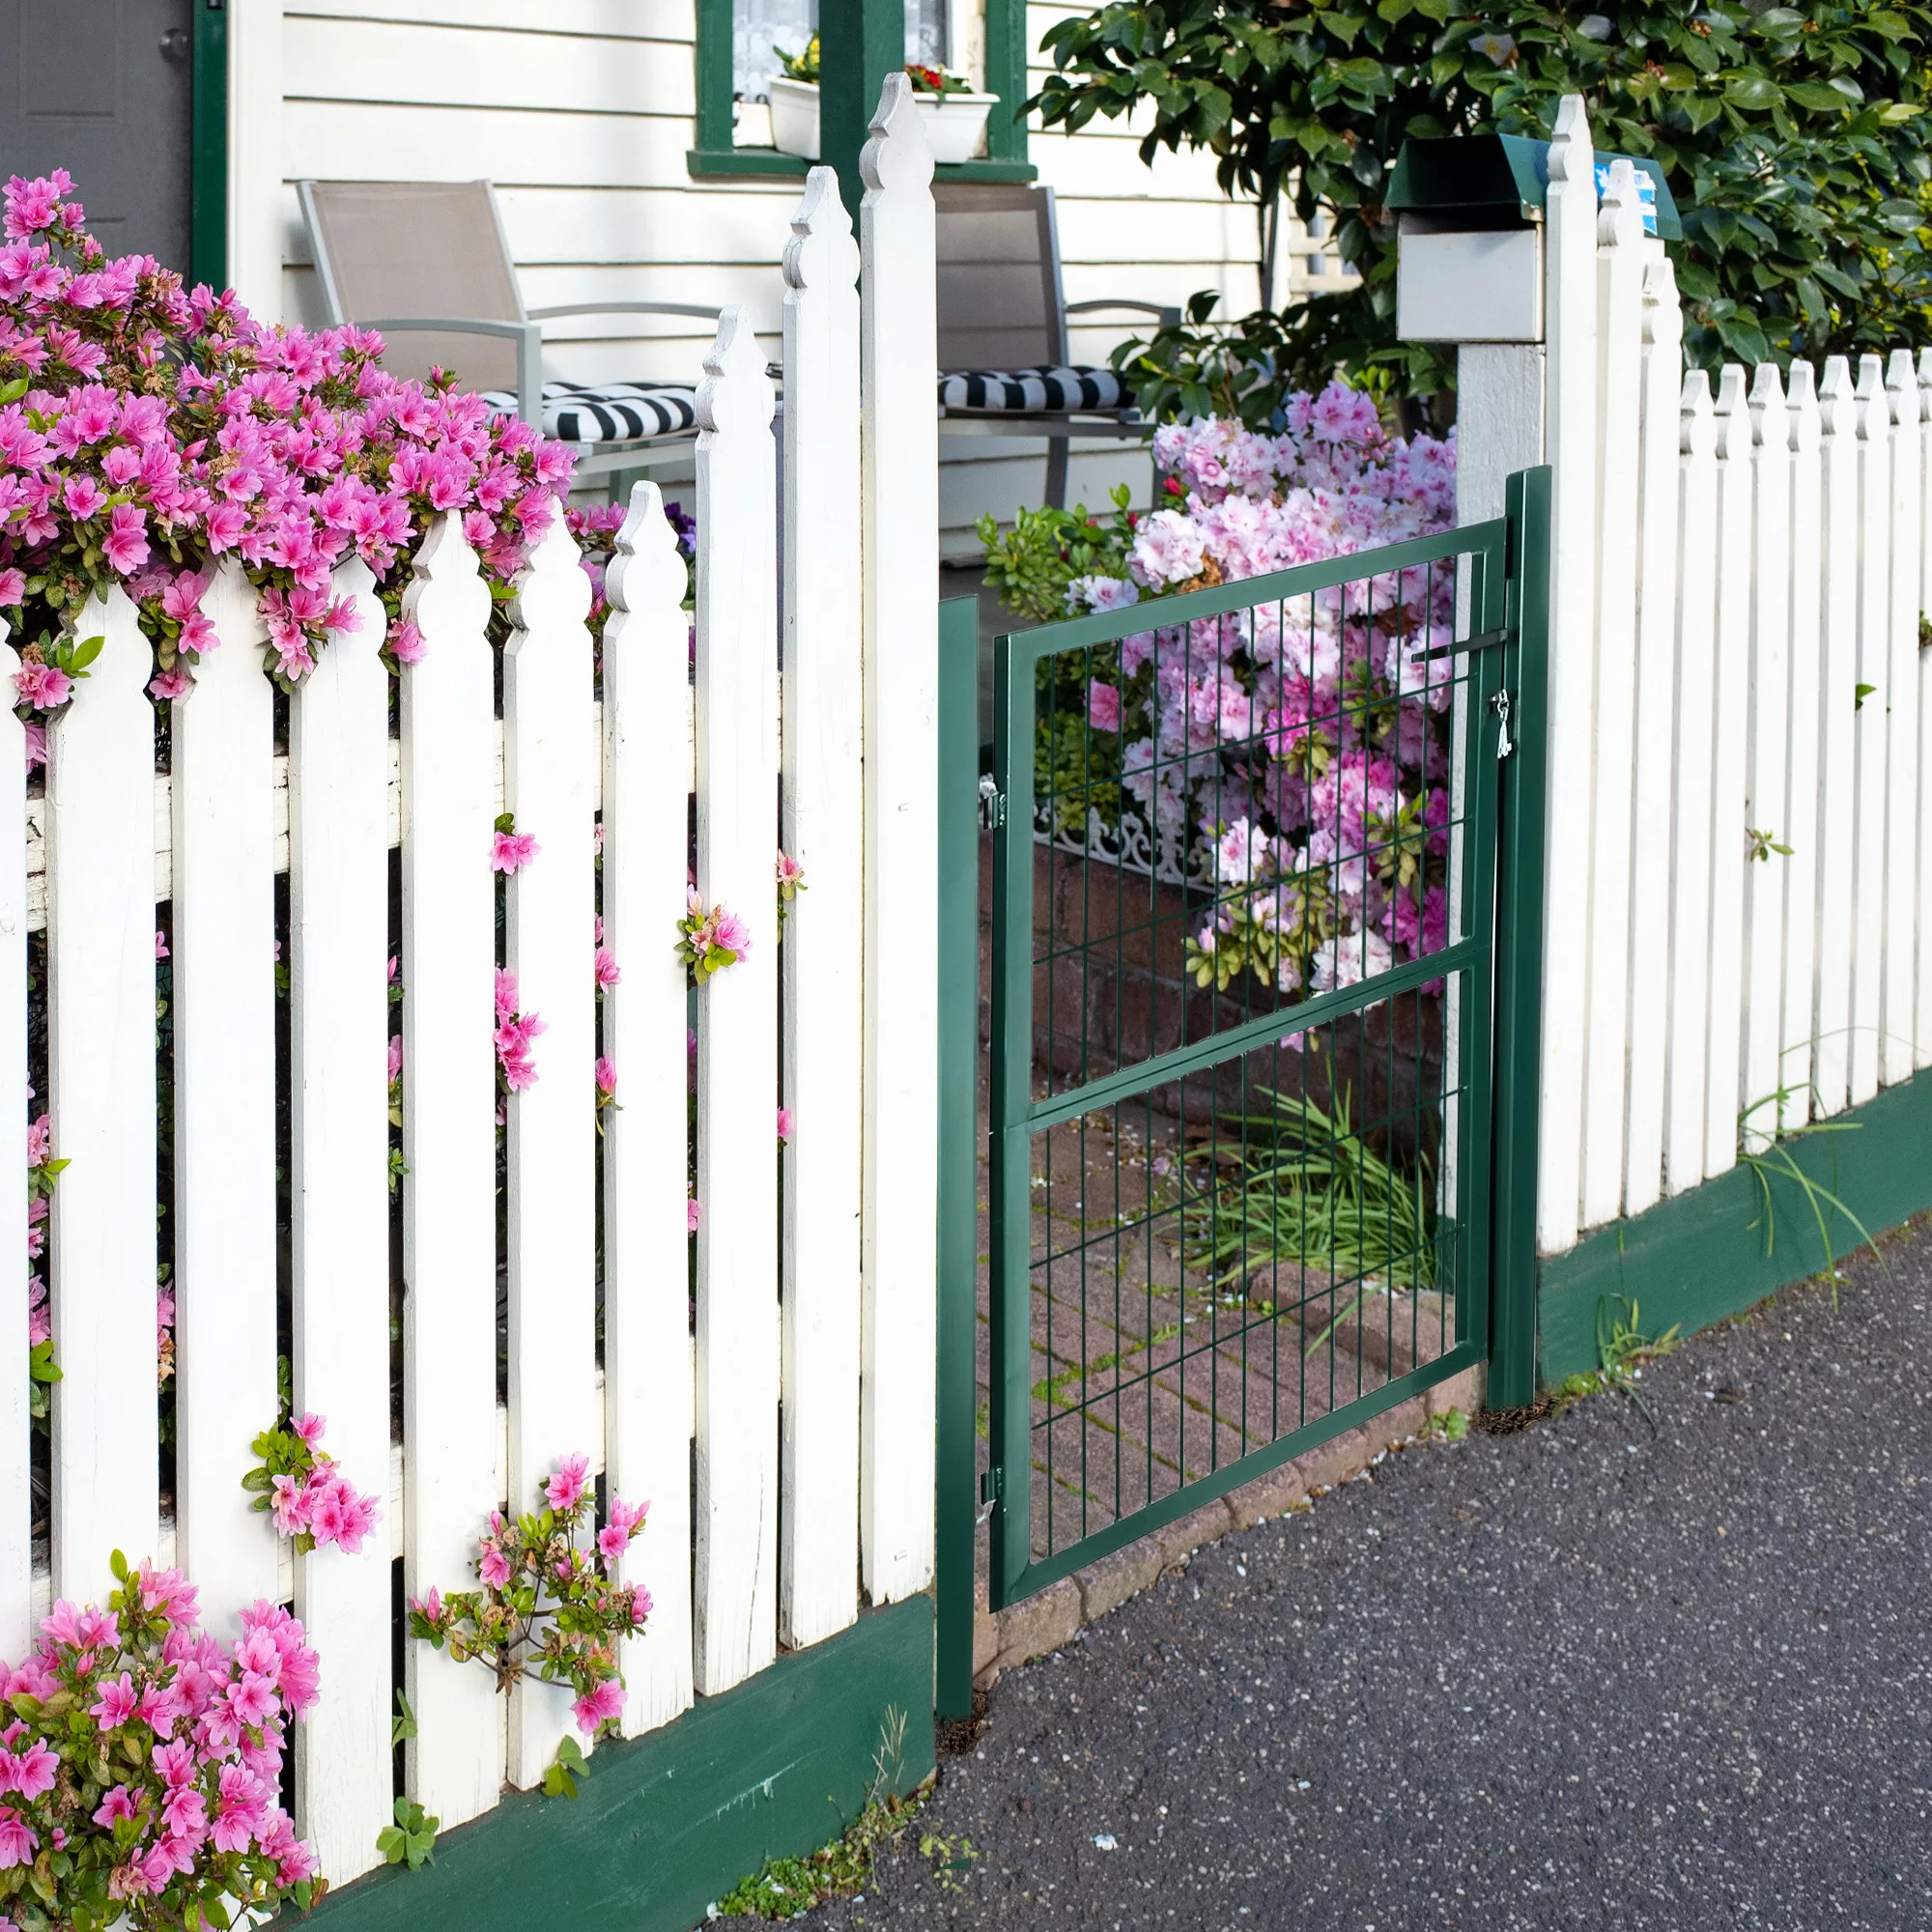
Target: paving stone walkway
[[1587, 1675]]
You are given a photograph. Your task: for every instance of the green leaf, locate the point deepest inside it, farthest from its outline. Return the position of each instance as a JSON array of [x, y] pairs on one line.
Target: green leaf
[[1859, 693], [1816, 96], [1752, 92]]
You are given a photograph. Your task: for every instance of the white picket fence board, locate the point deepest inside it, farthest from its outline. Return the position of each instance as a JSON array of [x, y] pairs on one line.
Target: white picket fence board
[[1898, 997], [1621, 255], [1837, 744], [900, 467], [1685, 1074], [224, 1090], [17, 1507], [1872, 728], [550, 765], [1730, 701], [647, 1411], [1922, 1011], [1569, 306], [1655, 756], [338, 917], [454, 1764], [1804, 746], [735, 1586], [822, 826], [101, 1041], [1767, 749]]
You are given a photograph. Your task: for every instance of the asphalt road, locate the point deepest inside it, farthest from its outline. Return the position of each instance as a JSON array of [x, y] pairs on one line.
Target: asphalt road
[[1579, 1676]]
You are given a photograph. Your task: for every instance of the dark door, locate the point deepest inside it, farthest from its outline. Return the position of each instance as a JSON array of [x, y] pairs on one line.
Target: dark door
[[105, 90]]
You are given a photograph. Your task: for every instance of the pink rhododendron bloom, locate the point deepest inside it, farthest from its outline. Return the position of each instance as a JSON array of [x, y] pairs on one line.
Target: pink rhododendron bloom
[[494, 1568], [116, 1703], [609, 973], [511, 851], [599, 1707], [18, 1844], [160, 946], [784, 1124], [567, 1484], [605, 1077], [690, 1214], [1104, 706]]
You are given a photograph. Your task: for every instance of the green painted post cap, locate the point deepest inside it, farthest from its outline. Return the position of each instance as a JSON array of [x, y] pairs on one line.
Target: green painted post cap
[[1500, 180]]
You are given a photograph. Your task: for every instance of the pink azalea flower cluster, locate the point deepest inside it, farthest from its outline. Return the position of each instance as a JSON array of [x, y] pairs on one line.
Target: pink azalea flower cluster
[[146, 432], [514, 1031], [549, 1607], [708, 942], [511, 851], [304, 1488], [140, 1772], [1305, 741], [791, 882]]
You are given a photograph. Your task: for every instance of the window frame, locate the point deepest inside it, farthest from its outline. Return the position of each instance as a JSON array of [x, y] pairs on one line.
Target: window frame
[[714, 156]]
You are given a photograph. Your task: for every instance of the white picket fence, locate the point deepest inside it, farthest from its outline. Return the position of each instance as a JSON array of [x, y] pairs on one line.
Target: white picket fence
[[806, 1380], [1730, 569]]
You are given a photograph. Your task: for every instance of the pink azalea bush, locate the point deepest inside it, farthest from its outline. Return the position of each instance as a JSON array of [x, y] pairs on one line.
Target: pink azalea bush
[[147, 431], [305, 1489], [549, 1609], [140, 1767], [1296, 753], [514, 1031], [708, 942]]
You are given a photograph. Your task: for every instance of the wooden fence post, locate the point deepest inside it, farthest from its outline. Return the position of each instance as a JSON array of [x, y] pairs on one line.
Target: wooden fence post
[[17, 1501], [1621, 255], [224, 1093], [1728, 782], [454, 1764], [1899, 997], [735, 1592], [1769, 681], [822, 815], [339, 928], [1688, 1010], [100, 1049], [1837, 734], [1654, 781], [1802, 815], [550, 775], [900, 480], [1874, 580], [647, 1391]]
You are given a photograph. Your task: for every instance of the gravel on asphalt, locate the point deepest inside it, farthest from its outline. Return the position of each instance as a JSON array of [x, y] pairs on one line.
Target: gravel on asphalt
[[1585, 1675]]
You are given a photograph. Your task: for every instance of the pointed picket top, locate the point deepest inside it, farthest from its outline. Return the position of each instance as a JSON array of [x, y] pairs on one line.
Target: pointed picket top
[[1697, 434], [823, 251], [1769, 427], [553, 587], [736, 394], [899, 156], [1619, 212], [1901, 384], [446, 596], [1836, 413], [1662, 313], [1801, 398], [647, 567], [1733, 412], [1874, 413]]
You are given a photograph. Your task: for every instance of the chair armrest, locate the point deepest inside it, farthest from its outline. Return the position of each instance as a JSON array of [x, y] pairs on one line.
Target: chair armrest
[[1168, 317], [527, 335], [625, 308]]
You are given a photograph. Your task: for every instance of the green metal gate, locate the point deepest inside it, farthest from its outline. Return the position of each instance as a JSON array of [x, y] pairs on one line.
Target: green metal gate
[[1264, 1001]]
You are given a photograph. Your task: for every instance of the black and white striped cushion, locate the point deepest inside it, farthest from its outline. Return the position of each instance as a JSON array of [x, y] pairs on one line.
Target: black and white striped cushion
[[608, 411], [1033, 391]]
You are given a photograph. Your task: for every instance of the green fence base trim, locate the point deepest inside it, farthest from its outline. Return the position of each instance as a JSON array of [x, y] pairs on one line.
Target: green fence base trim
[[668, 1823], [1698, 1259]]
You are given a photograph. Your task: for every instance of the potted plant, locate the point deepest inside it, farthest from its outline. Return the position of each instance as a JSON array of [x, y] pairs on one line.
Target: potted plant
[[954, 116]]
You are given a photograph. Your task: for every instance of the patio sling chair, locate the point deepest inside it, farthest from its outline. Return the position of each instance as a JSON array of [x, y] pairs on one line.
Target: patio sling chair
[[1003, 355], [430, 261]]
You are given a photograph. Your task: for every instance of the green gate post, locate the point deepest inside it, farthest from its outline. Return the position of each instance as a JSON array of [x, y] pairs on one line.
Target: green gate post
[[958, 1458], [1520, 951], [859, 41]]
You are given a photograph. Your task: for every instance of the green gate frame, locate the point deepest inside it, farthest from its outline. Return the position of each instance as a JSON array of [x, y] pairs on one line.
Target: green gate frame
[[1501, 960]]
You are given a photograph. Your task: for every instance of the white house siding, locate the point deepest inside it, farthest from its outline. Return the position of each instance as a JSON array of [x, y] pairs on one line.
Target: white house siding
[[581, 111]]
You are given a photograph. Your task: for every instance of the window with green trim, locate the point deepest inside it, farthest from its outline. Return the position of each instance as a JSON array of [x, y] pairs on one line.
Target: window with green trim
[[738, 52]]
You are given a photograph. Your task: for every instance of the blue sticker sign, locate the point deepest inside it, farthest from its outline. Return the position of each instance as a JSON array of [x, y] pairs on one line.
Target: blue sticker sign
[[1646, 190]]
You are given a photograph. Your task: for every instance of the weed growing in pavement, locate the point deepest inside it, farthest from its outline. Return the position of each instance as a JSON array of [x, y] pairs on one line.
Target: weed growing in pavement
[[783, 1888], [1622, 1351], [1777, 1158]]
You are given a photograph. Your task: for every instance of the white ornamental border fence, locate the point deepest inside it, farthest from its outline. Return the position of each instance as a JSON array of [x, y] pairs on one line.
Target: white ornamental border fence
[[806, 1380], [1736, 649]]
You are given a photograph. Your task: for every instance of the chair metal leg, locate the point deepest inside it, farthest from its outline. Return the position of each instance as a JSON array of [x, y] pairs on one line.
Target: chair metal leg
[[1056, 471]]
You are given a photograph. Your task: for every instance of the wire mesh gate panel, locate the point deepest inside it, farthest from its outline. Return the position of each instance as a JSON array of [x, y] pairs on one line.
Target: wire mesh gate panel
[[1244, 988]]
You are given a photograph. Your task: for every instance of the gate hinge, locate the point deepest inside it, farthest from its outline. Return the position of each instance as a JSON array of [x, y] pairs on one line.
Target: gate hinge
[[992, 804], [990, 1490]]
